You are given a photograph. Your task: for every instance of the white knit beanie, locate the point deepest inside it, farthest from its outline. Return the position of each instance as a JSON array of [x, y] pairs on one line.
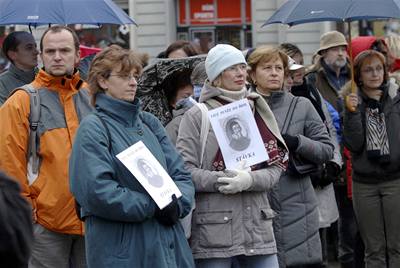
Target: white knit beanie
[[221, 57]]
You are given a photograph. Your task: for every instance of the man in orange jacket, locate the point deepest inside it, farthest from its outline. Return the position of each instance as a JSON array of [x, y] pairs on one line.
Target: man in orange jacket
[[58, 233]]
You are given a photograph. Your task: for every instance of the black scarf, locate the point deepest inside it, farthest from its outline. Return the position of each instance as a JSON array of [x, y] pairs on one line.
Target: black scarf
[[376, 135]]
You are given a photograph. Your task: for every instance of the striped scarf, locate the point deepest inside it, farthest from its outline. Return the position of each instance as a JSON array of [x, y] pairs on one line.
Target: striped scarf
[[376, 135]]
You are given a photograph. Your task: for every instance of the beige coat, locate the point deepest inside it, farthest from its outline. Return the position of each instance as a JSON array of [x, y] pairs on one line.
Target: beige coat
[[227, 225]]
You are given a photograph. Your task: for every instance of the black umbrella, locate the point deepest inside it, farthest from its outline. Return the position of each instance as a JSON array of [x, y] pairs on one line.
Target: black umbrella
[[150, 87]]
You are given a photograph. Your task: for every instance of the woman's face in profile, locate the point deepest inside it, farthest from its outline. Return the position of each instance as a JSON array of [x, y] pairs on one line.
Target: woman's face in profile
[[121, 86], [183, 93]]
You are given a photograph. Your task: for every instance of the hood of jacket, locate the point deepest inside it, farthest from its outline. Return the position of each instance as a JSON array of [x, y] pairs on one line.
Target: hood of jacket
[[361, 43]]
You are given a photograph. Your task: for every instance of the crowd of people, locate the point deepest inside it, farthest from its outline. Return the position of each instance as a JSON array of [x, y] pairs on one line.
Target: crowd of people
[[330, 133]]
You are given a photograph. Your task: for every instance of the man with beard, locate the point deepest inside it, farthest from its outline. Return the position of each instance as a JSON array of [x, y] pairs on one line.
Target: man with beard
[[331, 70], [329, 74]]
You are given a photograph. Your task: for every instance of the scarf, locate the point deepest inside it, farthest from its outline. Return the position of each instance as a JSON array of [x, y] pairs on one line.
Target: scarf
[[376, 135]]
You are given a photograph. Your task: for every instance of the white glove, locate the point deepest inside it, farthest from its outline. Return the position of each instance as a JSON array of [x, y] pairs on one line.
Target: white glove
[[241, 181]]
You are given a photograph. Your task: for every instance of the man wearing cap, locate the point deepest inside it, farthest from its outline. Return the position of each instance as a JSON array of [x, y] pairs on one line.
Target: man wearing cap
[[331, 70], [329, 74]]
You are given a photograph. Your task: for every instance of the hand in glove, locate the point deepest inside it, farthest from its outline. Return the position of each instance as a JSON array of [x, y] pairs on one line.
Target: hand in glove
[[240, 181], [328, 174], [292, 142], [169, 215], [332, 172]]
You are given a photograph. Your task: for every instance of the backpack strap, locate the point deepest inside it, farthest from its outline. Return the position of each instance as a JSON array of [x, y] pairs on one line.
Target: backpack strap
[[34, 118], [205, 128]]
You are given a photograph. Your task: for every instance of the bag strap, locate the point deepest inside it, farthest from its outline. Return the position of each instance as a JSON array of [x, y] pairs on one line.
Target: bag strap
[[34, 117], [107, 131], [289, 114], [205, 128]]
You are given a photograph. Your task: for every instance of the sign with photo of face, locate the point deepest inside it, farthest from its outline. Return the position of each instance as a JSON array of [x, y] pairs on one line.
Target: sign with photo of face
[[148, 171], [237, 134]]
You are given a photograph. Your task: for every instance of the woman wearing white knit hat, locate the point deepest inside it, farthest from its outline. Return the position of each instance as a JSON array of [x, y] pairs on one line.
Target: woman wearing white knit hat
[[232, 222]]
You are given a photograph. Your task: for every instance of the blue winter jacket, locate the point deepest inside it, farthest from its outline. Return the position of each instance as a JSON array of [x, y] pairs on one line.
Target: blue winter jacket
[[121, 230]]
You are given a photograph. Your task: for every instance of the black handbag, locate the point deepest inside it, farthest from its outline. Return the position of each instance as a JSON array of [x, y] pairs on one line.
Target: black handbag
[[298, 166]]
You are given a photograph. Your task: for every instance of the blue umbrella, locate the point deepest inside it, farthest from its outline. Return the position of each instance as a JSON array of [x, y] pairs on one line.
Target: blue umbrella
[[295, 12], [39, 12]]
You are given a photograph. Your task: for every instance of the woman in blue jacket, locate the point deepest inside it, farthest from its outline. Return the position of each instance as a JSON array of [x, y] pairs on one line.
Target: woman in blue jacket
[[124, 227]]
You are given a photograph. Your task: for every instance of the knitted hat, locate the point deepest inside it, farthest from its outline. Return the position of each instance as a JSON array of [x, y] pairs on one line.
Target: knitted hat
[[221, 57], [331, 39]]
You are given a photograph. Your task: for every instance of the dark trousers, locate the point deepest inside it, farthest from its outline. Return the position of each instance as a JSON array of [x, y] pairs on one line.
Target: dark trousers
[[347, 227]]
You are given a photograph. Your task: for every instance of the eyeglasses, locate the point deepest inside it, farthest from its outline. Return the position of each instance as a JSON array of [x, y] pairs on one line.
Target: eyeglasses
[[127, 77], [369, 70], [236, 68]]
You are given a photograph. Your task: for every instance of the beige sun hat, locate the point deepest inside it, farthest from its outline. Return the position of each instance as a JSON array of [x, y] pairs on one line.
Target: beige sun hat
[[331, 39]]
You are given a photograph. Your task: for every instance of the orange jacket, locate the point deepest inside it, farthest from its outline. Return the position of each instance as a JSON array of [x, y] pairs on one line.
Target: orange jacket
[[49, 193]]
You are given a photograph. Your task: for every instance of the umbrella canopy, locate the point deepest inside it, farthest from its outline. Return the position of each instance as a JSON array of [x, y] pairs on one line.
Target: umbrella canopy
[[39, 12], [150, 86], [295, 12]]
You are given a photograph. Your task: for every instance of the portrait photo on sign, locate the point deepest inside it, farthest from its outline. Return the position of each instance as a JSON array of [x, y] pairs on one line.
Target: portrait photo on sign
[[149, 172], [236, 132]]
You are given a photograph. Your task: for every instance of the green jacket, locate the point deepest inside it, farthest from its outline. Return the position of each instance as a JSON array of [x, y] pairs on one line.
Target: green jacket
[[121, 230]]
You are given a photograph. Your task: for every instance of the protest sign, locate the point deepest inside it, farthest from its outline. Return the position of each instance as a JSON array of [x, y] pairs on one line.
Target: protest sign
[[151, 175], [237, 134]]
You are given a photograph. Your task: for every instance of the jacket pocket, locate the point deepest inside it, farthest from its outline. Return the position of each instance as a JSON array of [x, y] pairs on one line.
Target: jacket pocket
[[215, 229], [266, 230]]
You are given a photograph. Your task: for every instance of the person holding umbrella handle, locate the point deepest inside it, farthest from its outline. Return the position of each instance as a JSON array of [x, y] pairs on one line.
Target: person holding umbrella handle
[[371, 134]]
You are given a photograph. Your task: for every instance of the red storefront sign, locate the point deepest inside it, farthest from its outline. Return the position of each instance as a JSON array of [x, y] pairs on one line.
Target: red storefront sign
[[214, 12]]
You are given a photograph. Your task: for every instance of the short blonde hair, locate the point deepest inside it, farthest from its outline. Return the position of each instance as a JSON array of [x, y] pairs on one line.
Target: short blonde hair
[[108, 60], [265, 54]]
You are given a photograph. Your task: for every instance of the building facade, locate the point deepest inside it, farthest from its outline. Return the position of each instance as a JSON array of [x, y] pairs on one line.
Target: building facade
[[209, 22]]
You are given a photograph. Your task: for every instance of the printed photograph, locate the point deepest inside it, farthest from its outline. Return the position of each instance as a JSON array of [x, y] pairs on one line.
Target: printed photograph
[[237, 133]]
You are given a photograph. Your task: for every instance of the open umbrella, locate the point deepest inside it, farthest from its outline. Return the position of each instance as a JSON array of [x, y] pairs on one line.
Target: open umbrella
[[39, 12], [150, 86], [295, 12]]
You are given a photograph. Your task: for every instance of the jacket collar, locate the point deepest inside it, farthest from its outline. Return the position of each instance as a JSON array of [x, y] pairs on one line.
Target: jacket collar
[[274, 99], [126, 113], [25, 76], [60, 83]]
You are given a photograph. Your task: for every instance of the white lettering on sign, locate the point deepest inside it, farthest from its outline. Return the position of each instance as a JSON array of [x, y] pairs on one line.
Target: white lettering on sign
[[203, 15], [207, 7], [36, 17]]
